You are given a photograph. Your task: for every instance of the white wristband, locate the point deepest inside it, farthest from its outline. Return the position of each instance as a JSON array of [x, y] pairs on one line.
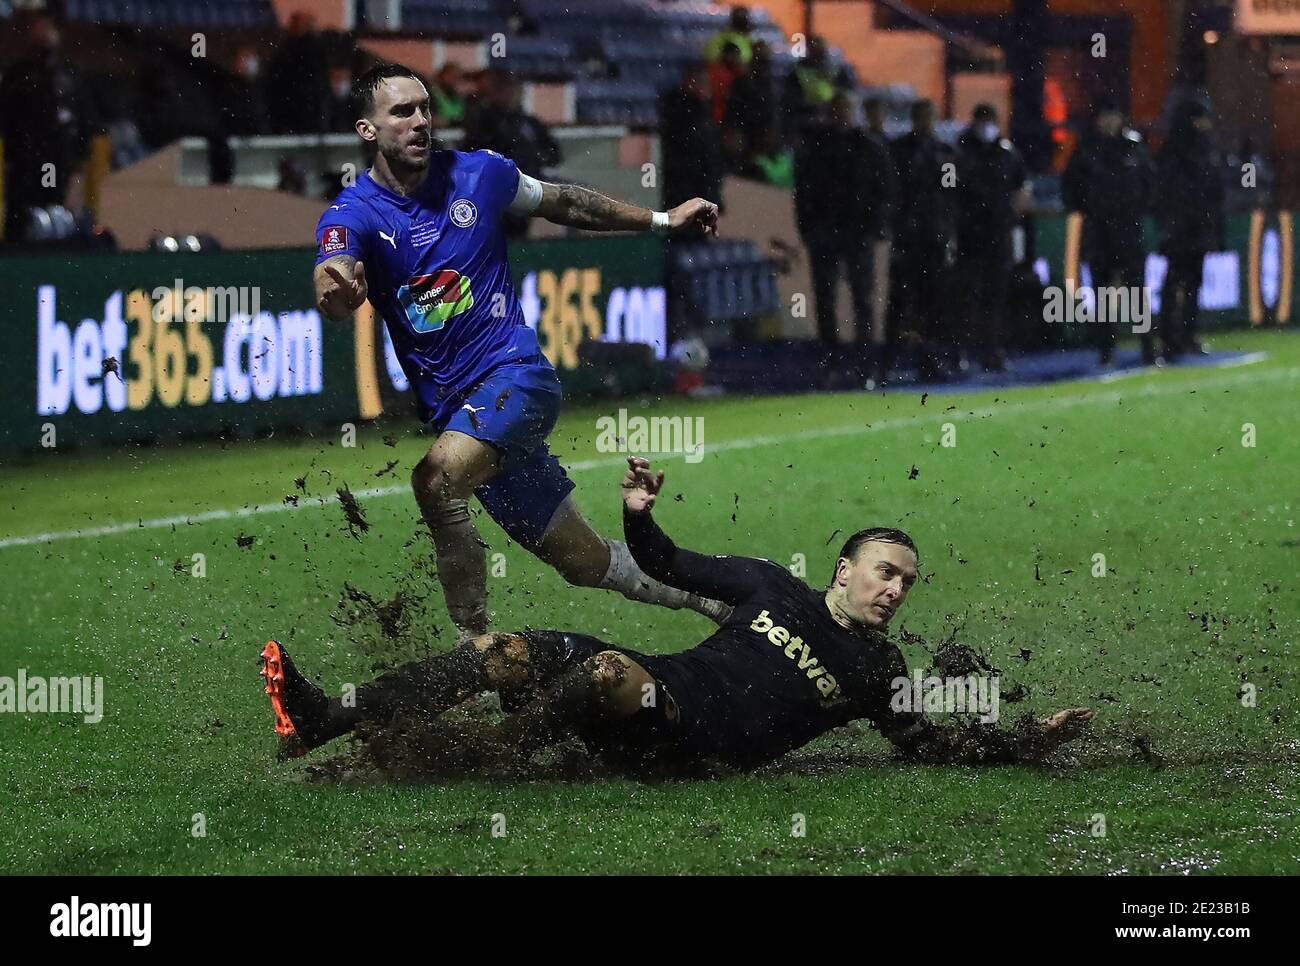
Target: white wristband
[[659, 221]]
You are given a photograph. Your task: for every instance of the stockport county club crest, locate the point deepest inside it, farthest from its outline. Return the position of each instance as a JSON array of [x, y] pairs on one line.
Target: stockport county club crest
[[463, 213]]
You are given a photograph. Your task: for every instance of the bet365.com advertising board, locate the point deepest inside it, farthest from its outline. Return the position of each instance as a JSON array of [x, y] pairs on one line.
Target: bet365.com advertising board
[[148, 346]]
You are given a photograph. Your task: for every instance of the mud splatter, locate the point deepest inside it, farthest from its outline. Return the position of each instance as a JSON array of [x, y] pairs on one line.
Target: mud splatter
[[352, 511], [389, 614], [953, 660], [1145, 753]]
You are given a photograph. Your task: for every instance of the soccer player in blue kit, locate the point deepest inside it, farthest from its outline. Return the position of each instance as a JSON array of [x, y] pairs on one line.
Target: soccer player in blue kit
[[419, 235]]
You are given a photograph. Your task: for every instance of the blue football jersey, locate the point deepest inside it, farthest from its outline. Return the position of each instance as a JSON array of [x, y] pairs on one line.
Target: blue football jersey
[[436, 268]]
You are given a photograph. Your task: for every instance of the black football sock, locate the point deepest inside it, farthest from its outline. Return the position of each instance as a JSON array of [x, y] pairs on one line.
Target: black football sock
[[424, 688]]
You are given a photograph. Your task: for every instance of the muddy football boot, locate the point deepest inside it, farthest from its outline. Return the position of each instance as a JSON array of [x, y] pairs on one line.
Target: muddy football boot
[[301, 708]]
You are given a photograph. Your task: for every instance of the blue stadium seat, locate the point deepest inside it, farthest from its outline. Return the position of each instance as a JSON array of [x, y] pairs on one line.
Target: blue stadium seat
[[722, 280], [163, 13]]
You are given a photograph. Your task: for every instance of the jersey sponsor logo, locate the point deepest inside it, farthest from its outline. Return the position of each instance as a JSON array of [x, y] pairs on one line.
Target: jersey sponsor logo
[[334, 239], [391, 239], [463, 213], [430, 300], [796, 650]]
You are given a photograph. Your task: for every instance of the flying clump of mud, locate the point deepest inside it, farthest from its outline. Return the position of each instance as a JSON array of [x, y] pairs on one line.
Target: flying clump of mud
[[391, 630], [352, 511], [388, 614]]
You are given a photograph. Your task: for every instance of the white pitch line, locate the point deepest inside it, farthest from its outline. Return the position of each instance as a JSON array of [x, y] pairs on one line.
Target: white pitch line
[[751, 442]]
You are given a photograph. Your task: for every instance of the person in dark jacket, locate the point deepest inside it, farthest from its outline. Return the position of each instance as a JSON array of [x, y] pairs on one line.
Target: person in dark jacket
[[1110, 181], [691, 147], [1189, 210], [992, 192], [43, 124], [241, 101], [500, 124], [845, 190], [297, 83], [925, 241], [754, 106], [810, 88]]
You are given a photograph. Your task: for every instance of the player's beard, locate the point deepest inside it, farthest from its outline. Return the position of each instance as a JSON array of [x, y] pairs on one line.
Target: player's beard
[[400, 161]]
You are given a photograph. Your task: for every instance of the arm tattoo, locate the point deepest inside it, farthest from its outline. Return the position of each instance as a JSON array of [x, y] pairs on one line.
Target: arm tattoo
[[579, 207], [346, 264]]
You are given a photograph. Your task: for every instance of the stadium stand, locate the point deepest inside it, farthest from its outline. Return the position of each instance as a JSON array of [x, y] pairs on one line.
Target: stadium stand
[[146, 13], [723, 281]]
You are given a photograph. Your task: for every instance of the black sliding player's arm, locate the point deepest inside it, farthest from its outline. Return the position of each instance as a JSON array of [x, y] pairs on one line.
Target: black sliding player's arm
[[728, 579]]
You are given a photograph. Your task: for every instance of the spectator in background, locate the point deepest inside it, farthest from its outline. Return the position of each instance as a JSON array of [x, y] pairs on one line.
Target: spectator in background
[[43, 123], [924, 241], [296, 81], [1110, 180], [340, 113], [1189, 210], [881, 223], [477, 84], [844, 188], [811, 86], [737, 33], [690, 141], [483, 109], [753, 108], [242, 104], [502, 125], [993, 191], [724, 73], [449, 96]]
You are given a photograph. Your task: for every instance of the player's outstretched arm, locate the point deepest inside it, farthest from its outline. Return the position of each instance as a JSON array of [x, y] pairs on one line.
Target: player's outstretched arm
[[1028, 741], [578, 207], [731, 580], [340, 286]]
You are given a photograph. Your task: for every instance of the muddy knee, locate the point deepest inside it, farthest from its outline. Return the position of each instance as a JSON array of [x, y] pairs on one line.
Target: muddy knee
[[436, 483], [505, 660]]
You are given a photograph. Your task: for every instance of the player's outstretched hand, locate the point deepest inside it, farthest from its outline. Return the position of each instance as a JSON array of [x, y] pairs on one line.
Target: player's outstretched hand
[[347, 293], [1065, 725], [698, 213], [641, 485]]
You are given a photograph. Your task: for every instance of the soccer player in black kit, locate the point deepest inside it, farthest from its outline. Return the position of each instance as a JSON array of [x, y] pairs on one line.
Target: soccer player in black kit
[[789, 664]]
